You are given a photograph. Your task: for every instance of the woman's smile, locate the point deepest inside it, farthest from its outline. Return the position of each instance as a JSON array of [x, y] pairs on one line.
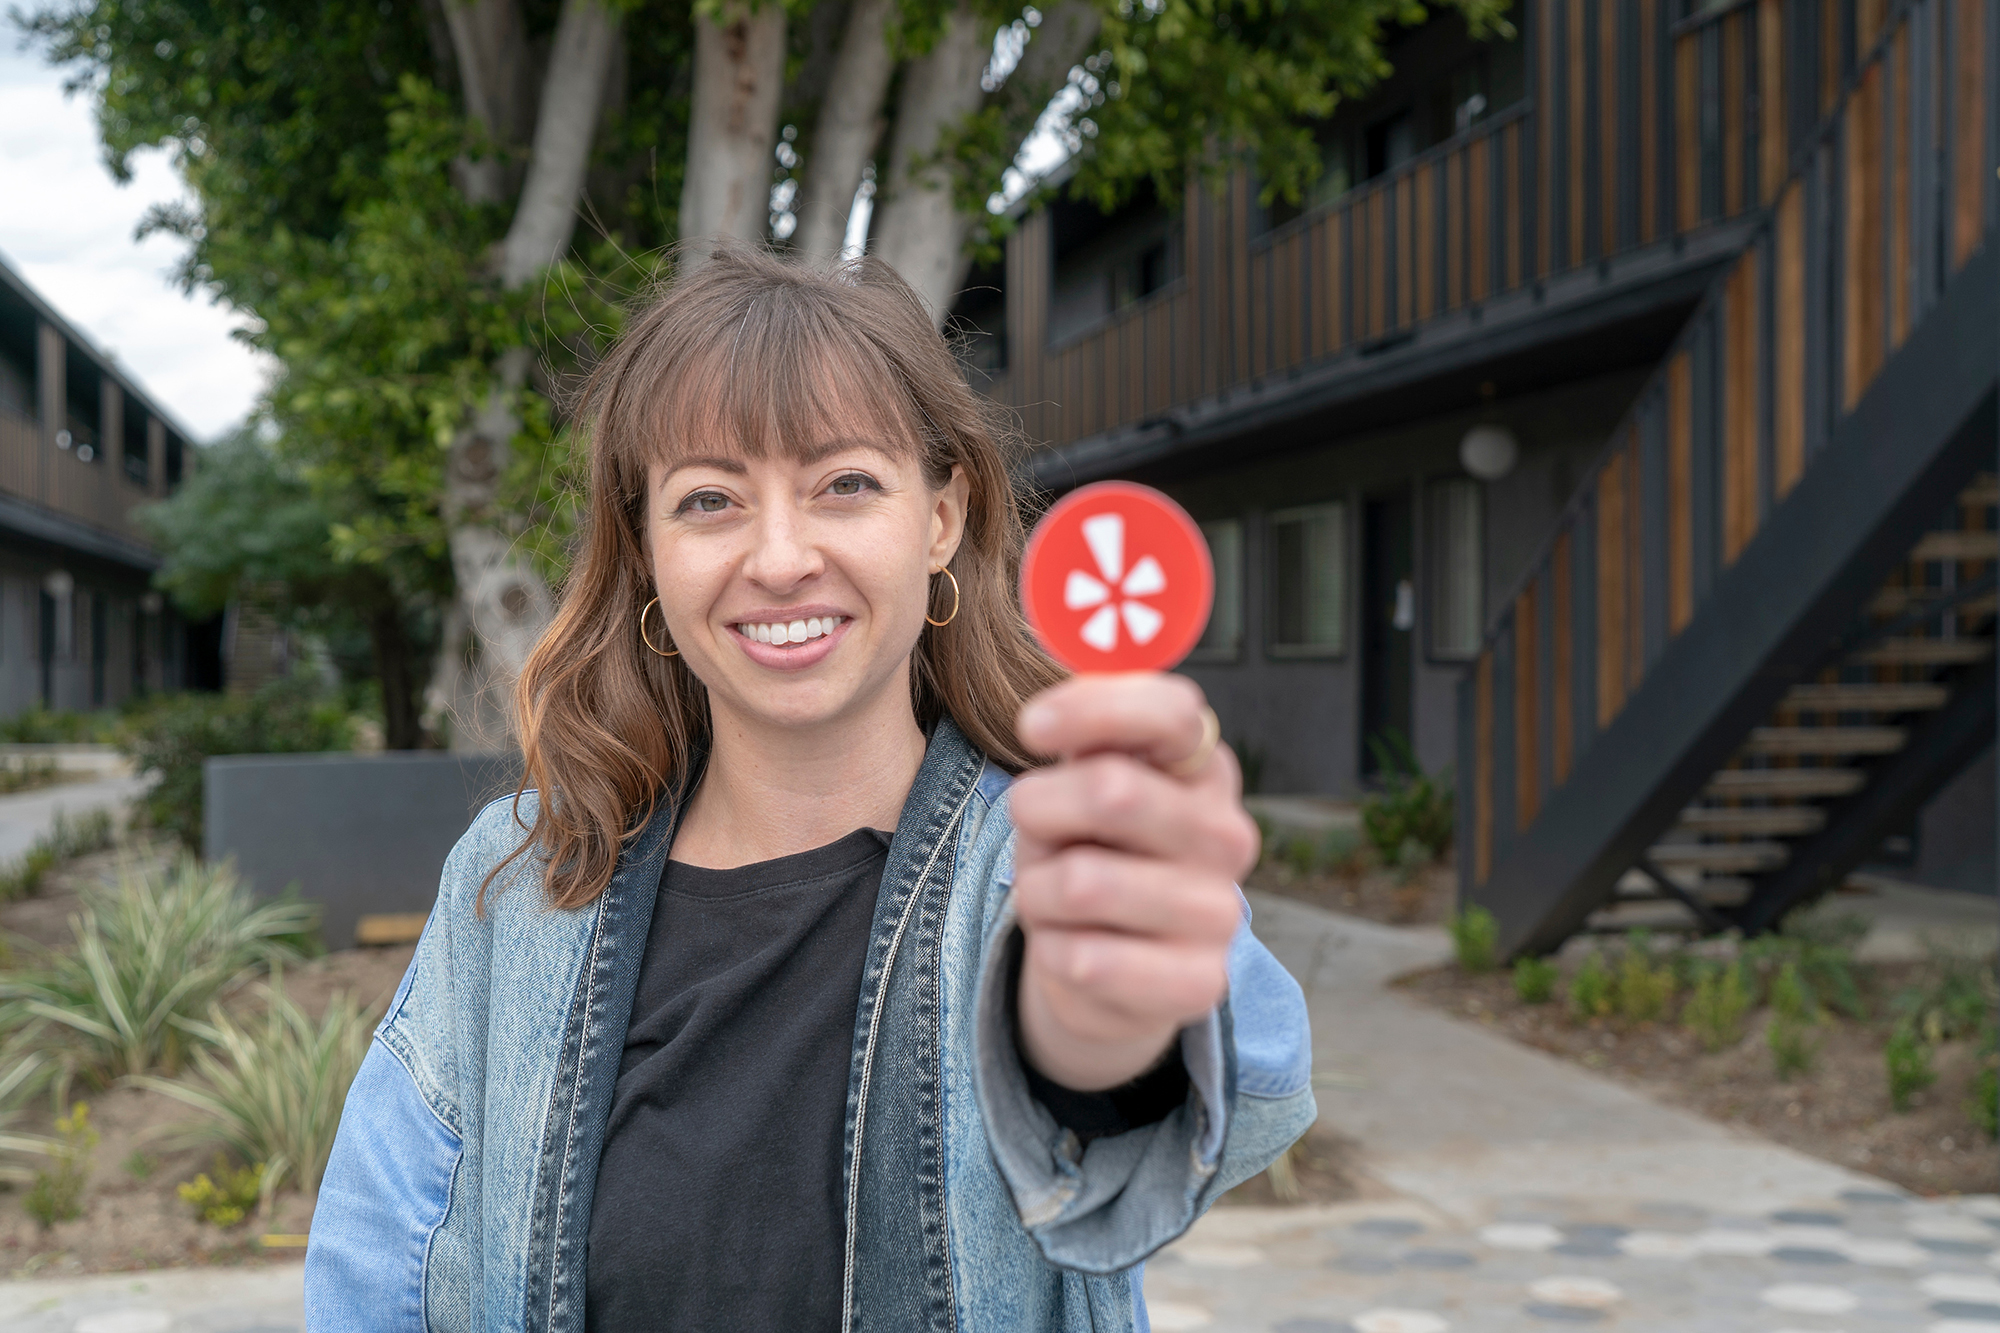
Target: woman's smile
[[789, 638]]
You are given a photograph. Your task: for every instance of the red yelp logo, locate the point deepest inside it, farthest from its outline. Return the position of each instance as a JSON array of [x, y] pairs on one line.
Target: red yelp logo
[[1117, 578]]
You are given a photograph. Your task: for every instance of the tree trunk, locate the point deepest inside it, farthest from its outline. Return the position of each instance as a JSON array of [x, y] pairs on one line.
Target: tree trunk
[[922, 234], [739, 72], [502, 603], [490, 40], [402, 725], [850, 121]]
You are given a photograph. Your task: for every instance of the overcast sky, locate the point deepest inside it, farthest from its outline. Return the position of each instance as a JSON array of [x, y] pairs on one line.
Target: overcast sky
[[67, 227]]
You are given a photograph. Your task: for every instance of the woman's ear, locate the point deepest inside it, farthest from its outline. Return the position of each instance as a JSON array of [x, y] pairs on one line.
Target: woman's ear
[[948, 517]]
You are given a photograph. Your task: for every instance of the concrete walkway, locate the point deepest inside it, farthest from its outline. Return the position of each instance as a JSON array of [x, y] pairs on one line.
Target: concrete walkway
[[1518, 1193], [26, 816]]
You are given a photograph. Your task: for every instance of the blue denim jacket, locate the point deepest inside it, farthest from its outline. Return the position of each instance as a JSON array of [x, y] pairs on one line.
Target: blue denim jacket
[[459, 1192]]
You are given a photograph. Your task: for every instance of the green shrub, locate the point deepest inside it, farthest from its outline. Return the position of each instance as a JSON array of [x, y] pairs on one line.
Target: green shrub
[[1908, 1057], [272, 1088], [1954, 999], [1791, 998], [1717, 1006], [140, 1165], [41, 726], [1592, 991], [1820, 948], [1344, 851], [152, 953], [57, 1194], [1645, 987], [1300, 855], [67, 839], [1475, 939], [1984, 1103], [1411, 807], [169, 739], [1793, 1051], [227, 1198], [1535, 979]]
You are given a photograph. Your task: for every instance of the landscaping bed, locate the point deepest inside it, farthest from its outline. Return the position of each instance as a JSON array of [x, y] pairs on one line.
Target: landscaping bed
[[126, 1159], [1800, 1063]]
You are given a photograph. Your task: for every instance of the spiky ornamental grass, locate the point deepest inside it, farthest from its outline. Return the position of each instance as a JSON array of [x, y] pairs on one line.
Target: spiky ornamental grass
[[153, 953], [273, 1087]]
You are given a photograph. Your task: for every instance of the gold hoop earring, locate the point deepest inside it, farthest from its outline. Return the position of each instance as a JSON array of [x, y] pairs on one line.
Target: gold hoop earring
[[642, 629], [954, 603]]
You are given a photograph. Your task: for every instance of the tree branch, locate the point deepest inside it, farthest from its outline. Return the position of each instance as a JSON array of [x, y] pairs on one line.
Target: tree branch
[[739, 73], [490, 41], [849, 124], [572, 94]]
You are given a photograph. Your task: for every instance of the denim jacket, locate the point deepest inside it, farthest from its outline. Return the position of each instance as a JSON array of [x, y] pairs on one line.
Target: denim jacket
[[459, 1192]]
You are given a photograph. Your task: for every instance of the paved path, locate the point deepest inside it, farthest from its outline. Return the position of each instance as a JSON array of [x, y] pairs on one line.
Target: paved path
[[26, 816], [1520, 1193]]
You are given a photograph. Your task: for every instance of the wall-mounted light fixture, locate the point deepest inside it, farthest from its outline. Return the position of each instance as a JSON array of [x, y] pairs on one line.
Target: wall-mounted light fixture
[[1489, 452]]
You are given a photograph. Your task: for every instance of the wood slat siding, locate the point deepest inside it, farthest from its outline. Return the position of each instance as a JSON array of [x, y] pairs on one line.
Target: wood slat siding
[[1680, 491], [1735, 99], [1610, 168], [1580, 65], [1511, 141], [1771, 97], [1544, 189], [1478, 231], [1649, 121], [1900, 274], [1482, 775], [1861, 230], [1612, 582], [1527, 699], [1788, 342], [1968, 129], [1742, 372], [1687, 130], [1829, 55], [1562, 689], [1635, 562]]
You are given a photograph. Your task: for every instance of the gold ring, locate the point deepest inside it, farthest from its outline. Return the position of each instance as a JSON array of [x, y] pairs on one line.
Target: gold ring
[[1211, 735]]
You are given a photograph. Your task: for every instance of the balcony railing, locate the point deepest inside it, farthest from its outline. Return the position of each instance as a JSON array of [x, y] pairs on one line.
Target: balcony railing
[[98, 493], [1641, 130]]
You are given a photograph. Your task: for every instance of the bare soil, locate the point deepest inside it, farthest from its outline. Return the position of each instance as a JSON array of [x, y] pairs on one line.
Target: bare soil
[[1423, 898], [1324, 1170], [133, 1215], [1839, 1111]]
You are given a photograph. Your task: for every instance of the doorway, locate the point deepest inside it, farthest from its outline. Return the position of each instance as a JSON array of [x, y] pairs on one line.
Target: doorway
[[1388, 624]]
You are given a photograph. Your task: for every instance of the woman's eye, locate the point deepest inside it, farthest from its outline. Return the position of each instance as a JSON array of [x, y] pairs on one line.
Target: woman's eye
[[852, 484], [705, 502]]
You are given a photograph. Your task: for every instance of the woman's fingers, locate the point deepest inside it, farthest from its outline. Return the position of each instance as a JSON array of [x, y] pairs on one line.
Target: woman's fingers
[[1118, 802], [1094, 888], [1151, 715], [1106, 987]]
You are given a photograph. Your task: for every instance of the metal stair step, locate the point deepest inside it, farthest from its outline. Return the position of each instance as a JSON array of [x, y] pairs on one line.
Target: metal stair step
[[1754, 821], [1926, 652], [1825, 740], [1721, 858], [1895, 601], [1984, 490], [1798, 782], [1957, 545], [1862, 697]]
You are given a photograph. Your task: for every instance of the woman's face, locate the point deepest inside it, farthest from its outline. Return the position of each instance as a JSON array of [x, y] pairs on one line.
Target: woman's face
[[795, 587]]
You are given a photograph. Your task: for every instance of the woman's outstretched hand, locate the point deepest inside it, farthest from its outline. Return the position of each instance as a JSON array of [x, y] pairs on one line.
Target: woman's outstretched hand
[[1124, 874]]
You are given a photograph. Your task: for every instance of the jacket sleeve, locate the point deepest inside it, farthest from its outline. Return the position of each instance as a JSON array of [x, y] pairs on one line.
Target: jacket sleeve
[[1103, 1207], [387, 1185]]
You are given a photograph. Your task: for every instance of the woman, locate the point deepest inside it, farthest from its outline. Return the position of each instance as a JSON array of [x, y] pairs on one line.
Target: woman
[[801, 997]]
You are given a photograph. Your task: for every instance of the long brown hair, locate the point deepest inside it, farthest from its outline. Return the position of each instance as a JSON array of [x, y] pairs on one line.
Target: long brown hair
[[751, 352]]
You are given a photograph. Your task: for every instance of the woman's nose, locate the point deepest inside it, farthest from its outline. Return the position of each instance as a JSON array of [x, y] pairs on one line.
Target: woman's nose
[[782, 554]]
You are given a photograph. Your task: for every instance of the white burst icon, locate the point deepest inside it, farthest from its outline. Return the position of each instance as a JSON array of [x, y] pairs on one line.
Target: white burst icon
[[1112, 593]]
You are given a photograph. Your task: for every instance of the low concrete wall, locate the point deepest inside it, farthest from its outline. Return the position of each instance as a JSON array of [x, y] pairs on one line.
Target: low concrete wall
[[358, 833]]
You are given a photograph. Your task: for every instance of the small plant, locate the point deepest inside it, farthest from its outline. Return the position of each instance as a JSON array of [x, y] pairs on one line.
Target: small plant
[[1344, 851], [67, 839], [1954, 999], [1984, 1103], [1819, 946], [140, 1165], [1592, 991], [1793, 1051], [1475, 939], [151, 953], [57, 1194], [1717, 1006], [1645, 988], [226, 1198], [273, 1089], [1535, 979], [1908, 1057], [1300, 856], [1411, 805], [1791, 999]]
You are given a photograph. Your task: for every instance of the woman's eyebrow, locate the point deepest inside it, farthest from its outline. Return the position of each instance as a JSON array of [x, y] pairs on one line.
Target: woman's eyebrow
[[814, 453], [720, 462]]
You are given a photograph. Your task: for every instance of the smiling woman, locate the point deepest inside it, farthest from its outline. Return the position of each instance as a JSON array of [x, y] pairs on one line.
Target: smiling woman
[[845, 966]]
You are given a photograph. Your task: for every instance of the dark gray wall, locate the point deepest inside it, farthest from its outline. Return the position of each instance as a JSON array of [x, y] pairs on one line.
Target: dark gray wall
[[1955, 847], [1303, 716], [357, 833]]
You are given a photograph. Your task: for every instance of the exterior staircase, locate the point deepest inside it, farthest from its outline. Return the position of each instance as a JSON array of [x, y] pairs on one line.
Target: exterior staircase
[[1762, 633]]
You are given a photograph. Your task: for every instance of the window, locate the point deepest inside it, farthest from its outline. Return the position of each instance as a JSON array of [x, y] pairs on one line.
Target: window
[[1455, 524], [1222, 641], [1309, 581]]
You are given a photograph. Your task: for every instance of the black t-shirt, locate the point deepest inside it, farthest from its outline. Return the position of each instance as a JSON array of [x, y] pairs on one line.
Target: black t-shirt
[[719, 1200]]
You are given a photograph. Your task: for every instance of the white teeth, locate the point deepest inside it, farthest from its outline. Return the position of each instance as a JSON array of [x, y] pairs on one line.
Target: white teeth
[[796, 631]]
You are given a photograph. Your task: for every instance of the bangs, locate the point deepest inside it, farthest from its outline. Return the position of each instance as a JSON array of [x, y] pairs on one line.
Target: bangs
[[780, 373]]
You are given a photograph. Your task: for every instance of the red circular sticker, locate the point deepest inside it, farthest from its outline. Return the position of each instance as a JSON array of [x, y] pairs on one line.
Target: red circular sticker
[[1116, 577]]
